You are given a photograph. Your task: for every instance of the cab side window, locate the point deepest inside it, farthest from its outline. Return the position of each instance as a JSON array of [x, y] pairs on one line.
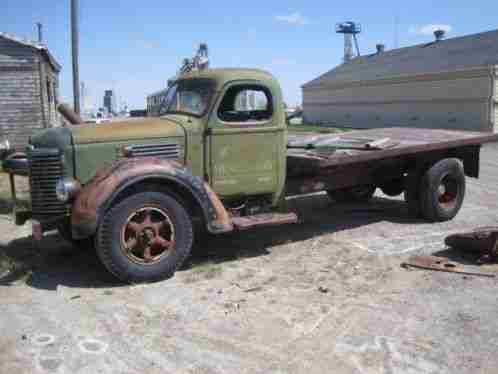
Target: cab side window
[[246, 104]]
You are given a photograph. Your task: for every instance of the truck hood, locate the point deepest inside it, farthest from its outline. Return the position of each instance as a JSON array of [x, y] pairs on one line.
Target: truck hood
[[130, 129]]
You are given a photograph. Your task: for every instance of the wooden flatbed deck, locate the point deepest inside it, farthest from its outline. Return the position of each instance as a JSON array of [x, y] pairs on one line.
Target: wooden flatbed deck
[[317, 162], [311, 151]]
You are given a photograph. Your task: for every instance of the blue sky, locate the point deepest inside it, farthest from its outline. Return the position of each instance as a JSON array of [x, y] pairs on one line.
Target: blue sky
[[134, 47]]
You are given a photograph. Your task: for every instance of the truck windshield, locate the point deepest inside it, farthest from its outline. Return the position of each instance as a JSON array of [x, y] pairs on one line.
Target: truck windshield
[[190, 97]]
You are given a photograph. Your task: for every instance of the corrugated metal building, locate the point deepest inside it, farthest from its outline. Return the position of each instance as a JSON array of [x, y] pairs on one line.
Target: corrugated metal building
[[29, 88], [449, 84]]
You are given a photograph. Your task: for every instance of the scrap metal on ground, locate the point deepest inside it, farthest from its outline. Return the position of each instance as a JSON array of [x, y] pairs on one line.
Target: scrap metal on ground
[[441, 264], [482, 240]]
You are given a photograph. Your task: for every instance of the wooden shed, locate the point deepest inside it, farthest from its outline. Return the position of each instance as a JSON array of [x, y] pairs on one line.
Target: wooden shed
[[29, 89], [447, 84]]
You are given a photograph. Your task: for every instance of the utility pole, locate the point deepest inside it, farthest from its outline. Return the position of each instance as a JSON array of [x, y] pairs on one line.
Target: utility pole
[[75, 49]]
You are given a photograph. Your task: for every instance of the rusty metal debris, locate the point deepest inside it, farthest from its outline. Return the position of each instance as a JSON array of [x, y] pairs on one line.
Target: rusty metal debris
[[441, 264], [482, 240]]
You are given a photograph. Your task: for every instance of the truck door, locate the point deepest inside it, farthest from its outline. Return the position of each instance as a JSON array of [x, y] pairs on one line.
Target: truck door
[[245, 141]]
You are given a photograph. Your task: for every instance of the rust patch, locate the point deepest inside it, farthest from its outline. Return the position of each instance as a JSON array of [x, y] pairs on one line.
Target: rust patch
[[483, 240], [222, 223], [96, 192], [106, 181]]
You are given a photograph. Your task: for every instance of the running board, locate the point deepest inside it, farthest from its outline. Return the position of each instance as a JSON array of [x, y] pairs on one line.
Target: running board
[[263, 219]]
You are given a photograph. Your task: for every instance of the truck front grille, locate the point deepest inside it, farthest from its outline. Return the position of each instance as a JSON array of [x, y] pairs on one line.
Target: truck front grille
[[45, 169], [166, 151]]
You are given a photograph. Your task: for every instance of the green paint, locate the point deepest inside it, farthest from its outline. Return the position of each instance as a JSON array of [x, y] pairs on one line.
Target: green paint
[[237, 159]]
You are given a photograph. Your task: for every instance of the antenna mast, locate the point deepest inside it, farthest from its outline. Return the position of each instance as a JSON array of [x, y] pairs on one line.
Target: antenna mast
[[199, 62], [350, 30]]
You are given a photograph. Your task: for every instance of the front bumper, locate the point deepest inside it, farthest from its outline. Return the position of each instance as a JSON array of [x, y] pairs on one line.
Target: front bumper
[[16, 164]]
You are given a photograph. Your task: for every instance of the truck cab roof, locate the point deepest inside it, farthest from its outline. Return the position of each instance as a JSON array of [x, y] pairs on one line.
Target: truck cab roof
[[223, 76]]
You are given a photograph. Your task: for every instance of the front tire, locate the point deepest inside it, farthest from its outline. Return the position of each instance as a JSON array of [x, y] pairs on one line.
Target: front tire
[[145, 238]]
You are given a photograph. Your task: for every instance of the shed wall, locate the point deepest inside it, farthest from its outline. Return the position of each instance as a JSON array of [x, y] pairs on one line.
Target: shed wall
[[495, 121], [50, 91], [449, 101], [20, 110], [23, 92]]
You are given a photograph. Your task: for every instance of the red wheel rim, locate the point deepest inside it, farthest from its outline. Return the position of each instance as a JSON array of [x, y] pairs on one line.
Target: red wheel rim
[[448, 192], [148, 236]]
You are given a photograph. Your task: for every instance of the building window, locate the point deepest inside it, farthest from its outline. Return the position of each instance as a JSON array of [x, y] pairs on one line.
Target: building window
[[246, 104]]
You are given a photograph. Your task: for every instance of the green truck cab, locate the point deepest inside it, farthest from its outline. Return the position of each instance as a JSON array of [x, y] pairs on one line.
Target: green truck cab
[[219, 158]]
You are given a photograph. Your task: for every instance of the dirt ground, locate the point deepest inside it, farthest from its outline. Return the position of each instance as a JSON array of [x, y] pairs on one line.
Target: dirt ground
[[325, 296]]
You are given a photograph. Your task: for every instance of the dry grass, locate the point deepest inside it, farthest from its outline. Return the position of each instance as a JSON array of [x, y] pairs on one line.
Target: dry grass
[[22, 192]]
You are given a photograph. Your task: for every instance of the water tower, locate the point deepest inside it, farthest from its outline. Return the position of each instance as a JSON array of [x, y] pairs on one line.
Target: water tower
[[349, 29]]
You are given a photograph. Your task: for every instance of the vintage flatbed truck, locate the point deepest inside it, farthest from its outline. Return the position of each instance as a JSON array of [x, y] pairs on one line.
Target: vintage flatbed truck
[[220, 158]]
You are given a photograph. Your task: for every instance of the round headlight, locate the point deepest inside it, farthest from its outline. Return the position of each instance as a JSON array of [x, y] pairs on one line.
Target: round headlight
[[67, 189]]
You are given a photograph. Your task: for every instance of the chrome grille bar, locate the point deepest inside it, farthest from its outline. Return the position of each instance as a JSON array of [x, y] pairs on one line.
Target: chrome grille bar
[[167, 151], [46, 167]]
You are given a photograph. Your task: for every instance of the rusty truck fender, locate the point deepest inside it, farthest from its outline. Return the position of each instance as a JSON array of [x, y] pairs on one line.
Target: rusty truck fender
[[98, 195]]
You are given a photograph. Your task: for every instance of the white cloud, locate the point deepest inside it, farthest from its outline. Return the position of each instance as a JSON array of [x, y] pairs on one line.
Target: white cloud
[[295, 18], [429, 29]]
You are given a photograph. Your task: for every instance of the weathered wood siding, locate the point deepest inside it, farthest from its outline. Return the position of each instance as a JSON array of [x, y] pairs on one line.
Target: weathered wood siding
[[50, 90], [458, 100], [496, 101], [21, 90]]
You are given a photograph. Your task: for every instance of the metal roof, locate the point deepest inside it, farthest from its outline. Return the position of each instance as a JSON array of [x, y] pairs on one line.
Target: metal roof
[[29, 43], [478, 50]]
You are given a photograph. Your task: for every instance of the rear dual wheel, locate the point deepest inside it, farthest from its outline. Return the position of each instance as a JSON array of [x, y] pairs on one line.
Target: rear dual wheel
[[443, 190], [145, 237], [438, 193]]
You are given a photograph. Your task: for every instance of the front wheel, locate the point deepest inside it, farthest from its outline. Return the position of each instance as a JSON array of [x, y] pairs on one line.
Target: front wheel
[[145, 238]]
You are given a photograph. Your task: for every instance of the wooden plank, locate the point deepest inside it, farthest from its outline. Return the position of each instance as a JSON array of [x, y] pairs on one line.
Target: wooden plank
[[410, 142]]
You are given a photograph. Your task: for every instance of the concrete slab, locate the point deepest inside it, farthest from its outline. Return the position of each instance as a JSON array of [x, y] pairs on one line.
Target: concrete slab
[[326, 295]]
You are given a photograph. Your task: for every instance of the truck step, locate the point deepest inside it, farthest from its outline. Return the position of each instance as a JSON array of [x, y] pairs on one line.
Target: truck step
[[263, 219]]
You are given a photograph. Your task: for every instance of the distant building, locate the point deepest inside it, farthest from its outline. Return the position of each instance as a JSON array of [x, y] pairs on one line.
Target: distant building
[[446, 83], [154, 102], [29, 88], [246, 100], [110, 102]]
